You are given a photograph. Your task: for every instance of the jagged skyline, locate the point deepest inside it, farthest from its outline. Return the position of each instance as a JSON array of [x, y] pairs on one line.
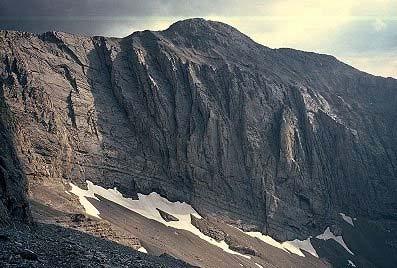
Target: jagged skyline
[[357, 32]]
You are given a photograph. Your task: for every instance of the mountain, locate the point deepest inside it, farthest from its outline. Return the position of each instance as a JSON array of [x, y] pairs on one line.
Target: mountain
[[273, 140]]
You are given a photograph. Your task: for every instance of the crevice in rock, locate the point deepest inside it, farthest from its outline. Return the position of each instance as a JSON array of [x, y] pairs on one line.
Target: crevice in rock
[[104, 57], [13, 66], [69, 77], [71, 112], [17, 69], [53, 38], [91, 122]]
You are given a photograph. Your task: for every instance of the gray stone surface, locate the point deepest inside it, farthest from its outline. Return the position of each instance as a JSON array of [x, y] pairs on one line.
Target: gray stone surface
[[166, 216], [208, 228], [279, 138], [47, 245], [13, 203]]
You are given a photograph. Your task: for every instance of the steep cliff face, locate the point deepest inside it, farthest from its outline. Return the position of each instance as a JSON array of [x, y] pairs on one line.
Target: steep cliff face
[[281, 139], [13, 203]]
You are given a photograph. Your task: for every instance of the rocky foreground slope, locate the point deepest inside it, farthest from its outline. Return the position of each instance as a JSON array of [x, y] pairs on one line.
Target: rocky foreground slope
[[279, 139]]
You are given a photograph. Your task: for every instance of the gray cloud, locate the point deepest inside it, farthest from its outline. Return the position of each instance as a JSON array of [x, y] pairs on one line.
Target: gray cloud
[[124, 7], [115, 18], [363, 36], [74, 8], [82, 25]]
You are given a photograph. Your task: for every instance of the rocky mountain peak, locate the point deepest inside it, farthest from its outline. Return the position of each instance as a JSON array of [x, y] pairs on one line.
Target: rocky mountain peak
[[279, 139], [203, 27], [210, 37]]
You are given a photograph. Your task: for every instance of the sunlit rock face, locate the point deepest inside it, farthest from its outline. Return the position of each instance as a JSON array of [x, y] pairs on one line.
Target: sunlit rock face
[[281, 139]]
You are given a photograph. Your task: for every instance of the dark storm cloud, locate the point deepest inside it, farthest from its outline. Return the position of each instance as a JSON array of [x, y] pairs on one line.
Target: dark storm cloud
[[110, 17], [116, 8]]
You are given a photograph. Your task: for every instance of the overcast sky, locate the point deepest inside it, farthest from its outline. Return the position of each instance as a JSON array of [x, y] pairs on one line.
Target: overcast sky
[[362, 33]]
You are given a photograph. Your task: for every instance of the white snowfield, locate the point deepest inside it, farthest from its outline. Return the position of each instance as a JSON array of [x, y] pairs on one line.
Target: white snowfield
[[142, 249], [147, 205], [347, 219], [329, 235], [293, 246], [83, 194], [300, 244], [296, 246]]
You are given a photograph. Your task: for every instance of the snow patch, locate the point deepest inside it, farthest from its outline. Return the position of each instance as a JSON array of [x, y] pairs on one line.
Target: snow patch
[[294, 246], [153, 82], [142, 249], [83, 194], [297, 245], [329, 235], [351, 263], [347, 219], [147, 205], [257, 264], [265, 238]]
